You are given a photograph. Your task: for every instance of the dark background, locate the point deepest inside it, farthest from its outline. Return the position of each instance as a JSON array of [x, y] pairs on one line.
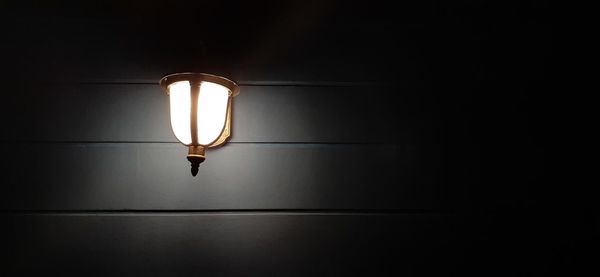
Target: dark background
[[370, 138]]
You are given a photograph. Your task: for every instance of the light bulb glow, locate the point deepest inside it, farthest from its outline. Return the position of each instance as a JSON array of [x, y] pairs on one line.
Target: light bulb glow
[[212, 111], [179, 97]]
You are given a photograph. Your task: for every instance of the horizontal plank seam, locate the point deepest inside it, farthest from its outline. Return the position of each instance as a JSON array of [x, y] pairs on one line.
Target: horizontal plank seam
[[101, 212], [244, 83], [175, 142]]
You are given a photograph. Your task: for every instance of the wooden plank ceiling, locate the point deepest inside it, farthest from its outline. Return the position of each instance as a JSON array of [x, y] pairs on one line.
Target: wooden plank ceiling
[[407, 137]]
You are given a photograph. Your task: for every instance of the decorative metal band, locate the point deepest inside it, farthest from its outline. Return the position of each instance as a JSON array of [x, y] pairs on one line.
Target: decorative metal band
[[196, 151], [199, 77], [195, 92], [226, 132]]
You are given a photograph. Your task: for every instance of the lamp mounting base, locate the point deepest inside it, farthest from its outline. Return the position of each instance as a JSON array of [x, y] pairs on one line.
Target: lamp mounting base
[[196, 156]]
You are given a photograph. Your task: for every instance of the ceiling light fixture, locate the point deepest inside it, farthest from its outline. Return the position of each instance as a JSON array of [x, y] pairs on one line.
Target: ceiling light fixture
[[200, 107]]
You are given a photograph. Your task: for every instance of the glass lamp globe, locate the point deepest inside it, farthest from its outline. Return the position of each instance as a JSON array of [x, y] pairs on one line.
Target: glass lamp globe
[[200, 109]]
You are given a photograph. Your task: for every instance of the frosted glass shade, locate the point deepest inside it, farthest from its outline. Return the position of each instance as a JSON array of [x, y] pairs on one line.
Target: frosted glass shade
[[213, 100], [180, 106]]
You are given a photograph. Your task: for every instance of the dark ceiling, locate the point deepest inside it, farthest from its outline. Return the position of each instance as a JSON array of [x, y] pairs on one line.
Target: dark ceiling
[[389, 41]]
